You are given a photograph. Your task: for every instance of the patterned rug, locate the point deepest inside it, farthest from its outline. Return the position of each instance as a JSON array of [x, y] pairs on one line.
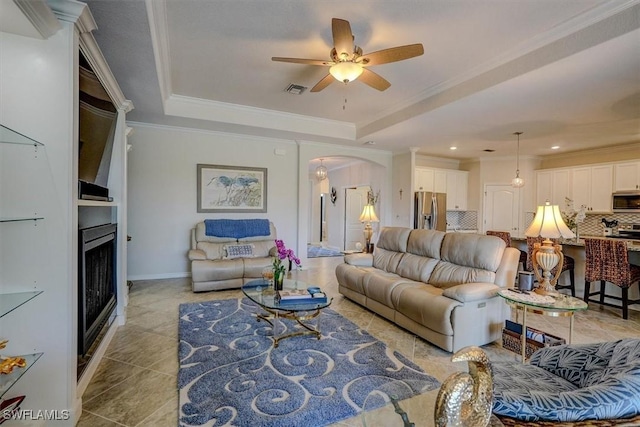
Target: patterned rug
[[230, 374], [319, 251]]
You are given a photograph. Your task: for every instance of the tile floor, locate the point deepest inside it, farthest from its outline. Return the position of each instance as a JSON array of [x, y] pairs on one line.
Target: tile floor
[[135, 384]]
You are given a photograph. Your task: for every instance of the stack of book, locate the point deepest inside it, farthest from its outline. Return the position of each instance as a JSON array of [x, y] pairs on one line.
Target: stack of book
[[302, 296]]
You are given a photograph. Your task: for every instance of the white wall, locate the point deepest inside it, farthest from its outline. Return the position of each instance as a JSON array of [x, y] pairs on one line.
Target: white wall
[[402, 203], [360, 174], [162, 192], [37, 86], [162, 189]]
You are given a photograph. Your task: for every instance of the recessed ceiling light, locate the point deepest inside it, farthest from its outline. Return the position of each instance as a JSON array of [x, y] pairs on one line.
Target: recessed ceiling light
[[555, 147], [488, 150], [370, 143], [453, 148]]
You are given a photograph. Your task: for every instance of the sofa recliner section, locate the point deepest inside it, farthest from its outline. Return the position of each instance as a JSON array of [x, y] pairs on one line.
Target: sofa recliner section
[[213, 269], [440, 286]]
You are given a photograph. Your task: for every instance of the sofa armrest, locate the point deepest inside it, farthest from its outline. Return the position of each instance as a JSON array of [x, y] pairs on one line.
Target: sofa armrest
[[197, 255], [359, 260], [468, 292], [273, 252]]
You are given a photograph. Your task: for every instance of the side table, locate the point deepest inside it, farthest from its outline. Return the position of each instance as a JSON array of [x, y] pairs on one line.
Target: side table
[[559, 305]]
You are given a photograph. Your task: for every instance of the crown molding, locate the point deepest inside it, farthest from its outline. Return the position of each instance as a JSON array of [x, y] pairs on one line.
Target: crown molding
[[633, 148], [195, 108], [71, 11], [157, 15], [185, 129], [40, 15]]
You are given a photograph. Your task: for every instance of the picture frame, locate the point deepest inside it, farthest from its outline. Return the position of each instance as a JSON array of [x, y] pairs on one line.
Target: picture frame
[[231, 189]]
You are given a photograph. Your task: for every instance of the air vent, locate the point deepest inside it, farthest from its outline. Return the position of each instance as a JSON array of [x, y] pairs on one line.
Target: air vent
[[295, 89], [488, 150]]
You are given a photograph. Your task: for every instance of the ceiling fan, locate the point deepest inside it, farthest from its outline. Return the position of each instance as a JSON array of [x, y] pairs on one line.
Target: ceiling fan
[[349, 63]]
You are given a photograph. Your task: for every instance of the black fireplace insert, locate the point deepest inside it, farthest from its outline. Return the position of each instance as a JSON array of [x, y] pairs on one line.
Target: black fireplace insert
[[96, 281]]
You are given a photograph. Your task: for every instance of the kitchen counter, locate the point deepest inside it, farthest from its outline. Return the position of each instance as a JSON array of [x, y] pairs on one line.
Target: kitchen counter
[[576, 249], [632, 245]]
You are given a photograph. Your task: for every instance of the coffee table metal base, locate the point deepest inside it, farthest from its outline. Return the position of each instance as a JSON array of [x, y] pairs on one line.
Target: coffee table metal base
[[275, 315]]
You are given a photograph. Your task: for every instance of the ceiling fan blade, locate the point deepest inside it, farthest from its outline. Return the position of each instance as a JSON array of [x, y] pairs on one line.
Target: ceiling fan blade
[[374, 80], [342, 37], [303, 61], [393, 54], [326, 81]]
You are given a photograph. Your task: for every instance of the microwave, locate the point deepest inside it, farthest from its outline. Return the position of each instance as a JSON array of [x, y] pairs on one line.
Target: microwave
[[626, 201]]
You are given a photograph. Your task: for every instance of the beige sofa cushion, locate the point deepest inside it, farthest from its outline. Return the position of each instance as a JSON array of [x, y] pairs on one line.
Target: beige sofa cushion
[[425, 243], [394, 239], [418, 268], [425, 305], [213, 250], [447, 274], [261, 248], [386, 260], [472, 250]]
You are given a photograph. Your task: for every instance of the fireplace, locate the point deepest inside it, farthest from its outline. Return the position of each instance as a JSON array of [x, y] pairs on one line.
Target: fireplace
[[96, 281]]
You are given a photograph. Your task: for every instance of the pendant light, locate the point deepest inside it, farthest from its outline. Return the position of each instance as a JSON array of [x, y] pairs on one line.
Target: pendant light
[[517, 182], [321, 171]]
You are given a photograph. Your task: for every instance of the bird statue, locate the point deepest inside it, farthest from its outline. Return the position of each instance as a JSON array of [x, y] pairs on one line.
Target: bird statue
[[466, 399]]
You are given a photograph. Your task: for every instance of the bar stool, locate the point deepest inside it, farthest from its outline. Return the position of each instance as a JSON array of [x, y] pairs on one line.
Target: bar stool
[[506, 236], [568, 265], [608, 261]]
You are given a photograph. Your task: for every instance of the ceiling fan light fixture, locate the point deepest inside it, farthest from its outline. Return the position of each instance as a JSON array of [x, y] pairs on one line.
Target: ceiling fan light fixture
[[346, 71], [321, 171]]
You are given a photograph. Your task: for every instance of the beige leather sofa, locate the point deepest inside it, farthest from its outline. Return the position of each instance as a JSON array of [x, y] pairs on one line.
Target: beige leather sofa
[[440, 286], [212, 266]]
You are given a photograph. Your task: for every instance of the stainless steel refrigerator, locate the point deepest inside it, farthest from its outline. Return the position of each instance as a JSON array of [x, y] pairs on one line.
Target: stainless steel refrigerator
[[430, 210]]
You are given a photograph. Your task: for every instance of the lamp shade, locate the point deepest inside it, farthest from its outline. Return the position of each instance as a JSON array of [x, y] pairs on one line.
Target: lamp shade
[[368, 214], [548, 223], [346, 71]]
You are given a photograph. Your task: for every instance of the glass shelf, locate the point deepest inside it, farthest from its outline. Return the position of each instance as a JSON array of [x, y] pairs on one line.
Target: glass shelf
[[33, 218], [9, 302], [8, 380], [10, 136]]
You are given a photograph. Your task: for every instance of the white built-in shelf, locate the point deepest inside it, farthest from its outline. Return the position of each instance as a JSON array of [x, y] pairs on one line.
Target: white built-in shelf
[[95, 203], [8, 380], [9, 302], [10, 136], [21, 219]]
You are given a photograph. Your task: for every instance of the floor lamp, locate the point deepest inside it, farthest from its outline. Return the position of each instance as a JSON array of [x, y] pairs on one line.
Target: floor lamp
[[368, 216], [547, 223]]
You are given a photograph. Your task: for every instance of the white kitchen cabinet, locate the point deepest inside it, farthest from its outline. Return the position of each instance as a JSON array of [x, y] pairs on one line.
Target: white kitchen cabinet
[[431, 179], [424, 179], [553, 185], [592, 187], [457, 190], [440, 180], [627, 176]]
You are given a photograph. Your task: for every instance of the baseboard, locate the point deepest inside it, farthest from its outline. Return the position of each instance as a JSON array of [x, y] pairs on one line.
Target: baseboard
[[92, 365], [159, 276]]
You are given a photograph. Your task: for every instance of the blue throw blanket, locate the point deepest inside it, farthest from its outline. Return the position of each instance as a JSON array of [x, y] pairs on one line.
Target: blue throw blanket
[[237, 228]]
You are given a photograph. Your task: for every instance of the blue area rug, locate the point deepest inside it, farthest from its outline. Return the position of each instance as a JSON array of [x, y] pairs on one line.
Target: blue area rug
[[319, 251], [230, 374]]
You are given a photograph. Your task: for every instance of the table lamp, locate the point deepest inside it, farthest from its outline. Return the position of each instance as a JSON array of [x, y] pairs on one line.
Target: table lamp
[[547, 223], [368, 216]]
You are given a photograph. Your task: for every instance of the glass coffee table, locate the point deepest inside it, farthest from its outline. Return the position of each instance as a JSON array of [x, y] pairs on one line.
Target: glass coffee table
[[260, 292]]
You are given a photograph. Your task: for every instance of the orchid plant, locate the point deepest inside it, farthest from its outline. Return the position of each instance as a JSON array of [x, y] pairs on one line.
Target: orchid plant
[[283, 253], [570, 216]]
